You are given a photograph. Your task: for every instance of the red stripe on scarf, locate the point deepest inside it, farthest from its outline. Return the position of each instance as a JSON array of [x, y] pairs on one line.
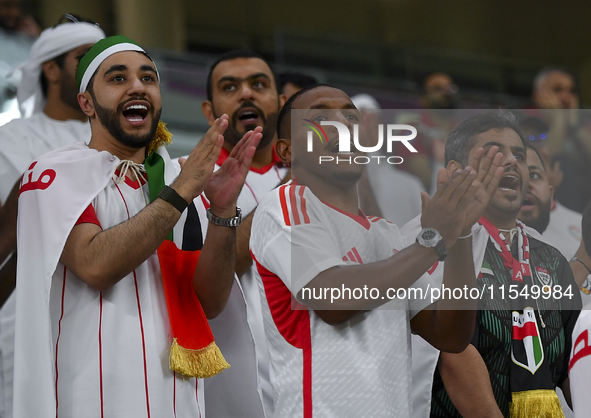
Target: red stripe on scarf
[[184, 308]]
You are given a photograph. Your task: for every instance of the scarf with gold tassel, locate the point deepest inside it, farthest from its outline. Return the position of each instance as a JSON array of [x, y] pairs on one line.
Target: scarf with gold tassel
[[193, 352], [533, 393]]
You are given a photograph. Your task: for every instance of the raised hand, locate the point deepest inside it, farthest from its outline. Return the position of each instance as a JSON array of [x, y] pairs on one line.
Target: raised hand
[[197, 169], [446, 210], [486, 183], [225, 184]]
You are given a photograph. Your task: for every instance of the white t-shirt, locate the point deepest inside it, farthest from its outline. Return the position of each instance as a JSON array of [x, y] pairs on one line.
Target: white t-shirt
[[564, 230], [360, 368], [397, 193], [238, 330], [24, 140], [111, 347]]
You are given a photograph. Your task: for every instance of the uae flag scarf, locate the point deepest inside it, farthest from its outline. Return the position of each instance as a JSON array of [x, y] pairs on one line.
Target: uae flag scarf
[[193, 352], [533, 393]]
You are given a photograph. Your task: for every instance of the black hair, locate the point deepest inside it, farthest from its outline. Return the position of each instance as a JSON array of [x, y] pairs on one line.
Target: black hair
[[232, 55], [536, 124], [285, 112], [462, 139], [586, 227], [60, 60], [300, 80], [535, 149]]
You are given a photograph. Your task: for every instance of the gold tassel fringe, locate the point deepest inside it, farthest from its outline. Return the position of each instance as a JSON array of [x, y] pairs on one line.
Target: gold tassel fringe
[[541, 403], [205, 362], [161, 137]]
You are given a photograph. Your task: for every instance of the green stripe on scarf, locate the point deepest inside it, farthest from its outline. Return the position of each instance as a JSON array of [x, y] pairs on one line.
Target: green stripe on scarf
[[154, 165]]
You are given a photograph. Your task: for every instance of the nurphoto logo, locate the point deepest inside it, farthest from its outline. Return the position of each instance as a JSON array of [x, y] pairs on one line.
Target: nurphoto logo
[[390, 134]]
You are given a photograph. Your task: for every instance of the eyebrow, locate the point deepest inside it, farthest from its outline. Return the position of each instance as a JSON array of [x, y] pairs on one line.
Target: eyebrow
[[250, 77], [148, 68], [324, 106], [498, 144], [114, 68]]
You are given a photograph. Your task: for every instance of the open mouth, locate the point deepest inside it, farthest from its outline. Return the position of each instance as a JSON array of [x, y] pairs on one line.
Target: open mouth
[[334, 148], [135, 112], [509, 182], [529, 203], [249, 116]]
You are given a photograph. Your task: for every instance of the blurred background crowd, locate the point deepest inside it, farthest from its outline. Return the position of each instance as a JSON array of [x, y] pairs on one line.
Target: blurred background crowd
[[403, 54]]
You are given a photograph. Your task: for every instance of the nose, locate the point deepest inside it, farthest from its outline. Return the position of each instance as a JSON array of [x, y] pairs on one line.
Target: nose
[[342, 118], [136, 87], [245, 91]]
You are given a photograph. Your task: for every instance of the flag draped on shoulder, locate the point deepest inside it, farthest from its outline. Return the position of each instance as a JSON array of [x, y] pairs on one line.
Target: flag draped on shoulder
[[55, 191]]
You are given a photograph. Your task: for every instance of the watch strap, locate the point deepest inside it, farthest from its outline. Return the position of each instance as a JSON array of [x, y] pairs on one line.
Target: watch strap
[[440, 248], [171, 196]]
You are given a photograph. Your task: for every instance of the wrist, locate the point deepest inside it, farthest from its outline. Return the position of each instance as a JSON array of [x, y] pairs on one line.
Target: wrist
[[222, 212], [183, 192]]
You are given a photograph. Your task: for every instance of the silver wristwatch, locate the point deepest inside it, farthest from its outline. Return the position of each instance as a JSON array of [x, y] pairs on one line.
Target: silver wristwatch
[[232, 222], [431, 238]]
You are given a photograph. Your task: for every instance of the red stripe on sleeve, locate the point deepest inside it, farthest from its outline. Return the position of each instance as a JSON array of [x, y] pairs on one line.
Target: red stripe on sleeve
[[294, 207], [303, 204], [89, 217], [284, 205]]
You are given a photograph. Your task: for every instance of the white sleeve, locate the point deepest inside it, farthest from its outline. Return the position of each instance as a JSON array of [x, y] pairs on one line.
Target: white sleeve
[[295, 251], [580, 364]]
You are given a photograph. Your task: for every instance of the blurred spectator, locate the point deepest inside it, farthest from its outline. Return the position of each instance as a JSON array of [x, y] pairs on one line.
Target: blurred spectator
[[50, 84], [291, 82], [555, 88], [396, 192], [439, 92], [434, 123], [568, 137], [17, 33]]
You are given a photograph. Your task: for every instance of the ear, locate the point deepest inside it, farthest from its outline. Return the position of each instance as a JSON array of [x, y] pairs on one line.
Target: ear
[[282, 100], [52, 71], [452, 166], [551, 193], [207, 109], [283, 150], [86, 104]]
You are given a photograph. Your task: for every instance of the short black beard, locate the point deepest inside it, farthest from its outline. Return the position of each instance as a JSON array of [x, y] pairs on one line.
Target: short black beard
[[232, 136], [110, 120], [543, 220]]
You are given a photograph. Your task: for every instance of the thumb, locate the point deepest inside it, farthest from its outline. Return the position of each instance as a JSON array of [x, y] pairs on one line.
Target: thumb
[[425, 199], [182, 162]]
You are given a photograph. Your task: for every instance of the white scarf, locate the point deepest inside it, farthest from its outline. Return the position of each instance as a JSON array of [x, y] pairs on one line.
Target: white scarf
[[54, 192]]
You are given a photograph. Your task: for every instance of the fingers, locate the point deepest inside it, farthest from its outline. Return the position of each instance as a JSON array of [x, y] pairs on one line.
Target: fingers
[[424, 201], [474, 161], [209, 140], [468, 184], [246, 139], [491, 187], [454, 182]]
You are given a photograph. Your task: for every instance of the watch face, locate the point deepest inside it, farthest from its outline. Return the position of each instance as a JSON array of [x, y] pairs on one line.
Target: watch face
[[429, 234]]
